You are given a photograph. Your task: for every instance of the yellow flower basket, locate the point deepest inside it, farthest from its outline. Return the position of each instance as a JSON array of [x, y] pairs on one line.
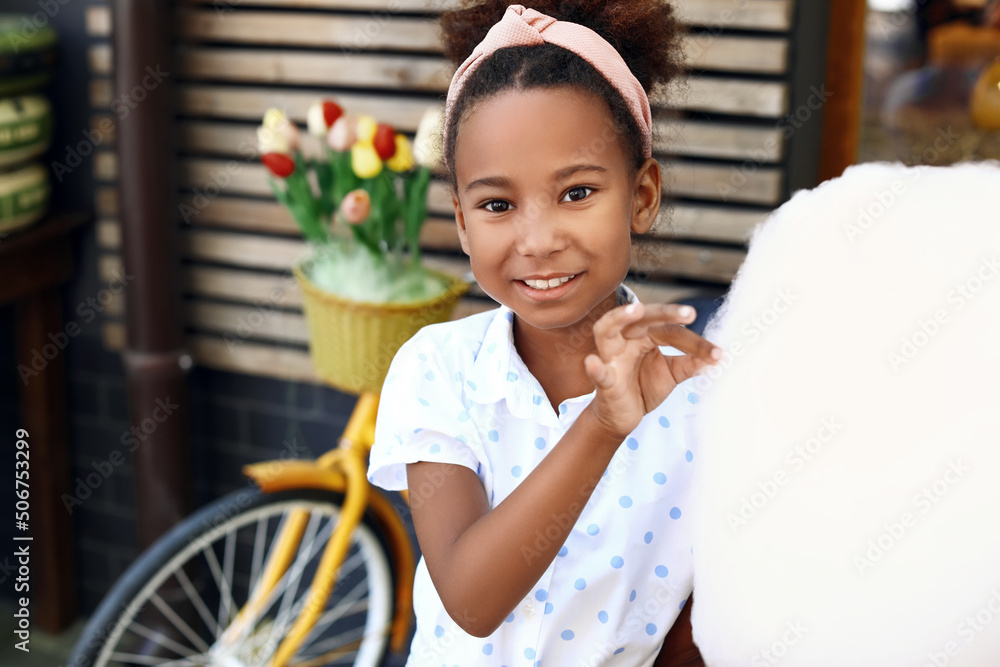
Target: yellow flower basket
[[352, 343]]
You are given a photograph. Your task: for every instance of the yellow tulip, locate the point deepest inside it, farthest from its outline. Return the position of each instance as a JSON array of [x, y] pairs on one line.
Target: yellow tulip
[[428, 142], [403, 159], [366, 129], [365, 161]]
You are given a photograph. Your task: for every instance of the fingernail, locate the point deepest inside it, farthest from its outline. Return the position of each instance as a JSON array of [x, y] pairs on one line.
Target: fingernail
[[717, 353], [632, 308], [685, 311]]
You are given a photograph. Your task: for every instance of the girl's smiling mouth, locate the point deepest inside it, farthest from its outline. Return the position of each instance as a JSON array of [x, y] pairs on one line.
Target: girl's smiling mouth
[[547, 288]]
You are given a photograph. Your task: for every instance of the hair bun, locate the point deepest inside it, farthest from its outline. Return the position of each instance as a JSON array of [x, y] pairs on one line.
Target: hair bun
[[645, 33]]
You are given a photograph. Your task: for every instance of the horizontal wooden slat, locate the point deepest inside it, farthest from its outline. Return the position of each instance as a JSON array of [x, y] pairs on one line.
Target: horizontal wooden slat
[[99, 59], [411, 72], [675, 136], [751, 184], [244, 322], [104, 125], [770, 15], [230, 7], [763, 99], [709, 223], [109, 234], [249, 103], [106, 201], [97, 19], [349, 33], [676, 260], [100, 92], [757, 55], [759, 185], [356, 34], [240, 285], [718, 139], [105, 165]]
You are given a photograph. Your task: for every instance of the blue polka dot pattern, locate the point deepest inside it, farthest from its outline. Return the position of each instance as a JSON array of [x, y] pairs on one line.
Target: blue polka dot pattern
[[438, 631], [421, 356], [510, 618], [593, 529], [491, 348], [618, 650], [567, 635], [580, 584], [487, 649], [529, 653], [511, 377], [562, 408], [602, 616], [675, 513], [434, 449], [429, 375], [516, 471], [664, 422], [648, 537], [617, 562], [631, 596], [625, 501], [548, 607], [472, 385], [661, 571], [563, 551], [632, 444], [536, 399], [541, 594], [493, 435], [659, 478], [693, 398], [463, 416], [688, 456], [539, 443], [683, 602], [424, 402], [650, 629]]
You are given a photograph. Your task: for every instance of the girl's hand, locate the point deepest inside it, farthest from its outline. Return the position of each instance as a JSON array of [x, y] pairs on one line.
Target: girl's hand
[[630, 373]]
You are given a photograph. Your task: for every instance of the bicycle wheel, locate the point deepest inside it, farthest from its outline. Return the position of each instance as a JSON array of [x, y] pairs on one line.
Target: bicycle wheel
[[174, 603]]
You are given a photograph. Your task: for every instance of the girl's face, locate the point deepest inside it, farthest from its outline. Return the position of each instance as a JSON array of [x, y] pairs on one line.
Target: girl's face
[[545, 194]]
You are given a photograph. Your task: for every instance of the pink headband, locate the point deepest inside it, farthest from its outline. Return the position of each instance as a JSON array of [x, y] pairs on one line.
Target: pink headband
[[520, 26]]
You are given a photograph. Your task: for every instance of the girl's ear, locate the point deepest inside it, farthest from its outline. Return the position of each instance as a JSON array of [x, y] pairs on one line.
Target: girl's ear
[[463, 235], [646, 196]]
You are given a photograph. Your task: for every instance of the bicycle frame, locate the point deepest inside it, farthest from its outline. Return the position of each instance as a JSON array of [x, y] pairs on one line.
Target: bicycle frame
[[342, 469]]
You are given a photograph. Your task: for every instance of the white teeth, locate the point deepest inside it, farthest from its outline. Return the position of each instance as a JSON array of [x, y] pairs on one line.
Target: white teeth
[[548, 284]]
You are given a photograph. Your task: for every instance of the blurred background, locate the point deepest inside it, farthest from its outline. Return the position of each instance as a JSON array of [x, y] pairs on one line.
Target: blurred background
[[145, 264]]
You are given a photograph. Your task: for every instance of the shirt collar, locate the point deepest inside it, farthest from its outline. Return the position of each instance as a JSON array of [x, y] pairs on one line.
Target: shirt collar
[[498, 371]]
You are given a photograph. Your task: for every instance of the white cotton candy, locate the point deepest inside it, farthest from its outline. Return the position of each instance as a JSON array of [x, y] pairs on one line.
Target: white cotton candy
[[848, 496]]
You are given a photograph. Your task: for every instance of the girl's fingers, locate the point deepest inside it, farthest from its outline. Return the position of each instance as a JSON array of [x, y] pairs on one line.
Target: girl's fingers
[[685, 340], [609, 328], [598, 371]]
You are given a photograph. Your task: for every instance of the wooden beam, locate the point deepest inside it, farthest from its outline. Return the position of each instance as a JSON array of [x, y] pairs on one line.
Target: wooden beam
[[845, 79]]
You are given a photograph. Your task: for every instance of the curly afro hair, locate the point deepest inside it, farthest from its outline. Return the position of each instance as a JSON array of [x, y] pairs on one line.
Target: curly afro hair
[[645, 32]]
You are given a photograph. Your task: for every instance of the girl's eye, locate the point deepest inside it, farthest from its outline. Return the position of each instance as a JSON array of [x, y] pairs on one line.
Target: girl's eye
[[576, 194], [503, 206]]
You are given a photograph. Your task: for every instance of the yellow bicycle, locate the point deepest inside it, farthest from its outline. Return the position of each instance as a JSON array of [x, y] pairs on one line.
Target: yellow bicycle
[[309, 568]]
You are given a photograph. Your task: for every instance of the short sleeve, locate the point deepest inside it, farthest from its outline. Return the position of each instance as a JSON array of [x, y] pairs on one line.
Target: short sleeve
[[421, 416]]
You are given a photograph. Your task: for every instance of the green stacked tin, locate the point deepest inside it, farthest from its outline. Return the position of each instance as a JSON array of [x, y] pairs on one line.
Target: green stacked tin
[[27, 56]]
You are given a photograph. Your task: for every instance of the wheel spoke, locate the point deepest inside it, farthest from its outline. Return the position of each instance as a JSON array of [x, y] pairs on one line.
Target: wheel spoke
[[179, 623], [164, 641], [198, 602]]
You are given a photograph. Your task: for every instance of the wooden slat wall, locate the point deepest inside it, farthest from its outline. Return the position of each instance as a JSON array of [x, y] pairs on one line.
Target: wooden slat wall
[[718, 137]]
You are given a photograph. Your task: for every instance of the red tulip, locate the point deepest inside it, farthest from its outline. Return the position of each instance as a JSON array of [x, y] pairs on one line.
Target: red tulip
[[385, 141], [279, 164], [331, 112]]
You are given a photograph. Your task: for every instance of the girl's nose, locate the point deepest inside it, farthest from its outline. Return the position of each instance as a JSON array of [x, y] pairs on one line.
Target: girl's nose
[[538, 234]]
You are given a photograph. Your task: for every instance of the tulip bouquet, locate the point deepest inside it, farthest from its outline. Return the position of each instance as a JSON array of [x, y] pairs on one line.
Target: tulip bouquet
[[361, 203]]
